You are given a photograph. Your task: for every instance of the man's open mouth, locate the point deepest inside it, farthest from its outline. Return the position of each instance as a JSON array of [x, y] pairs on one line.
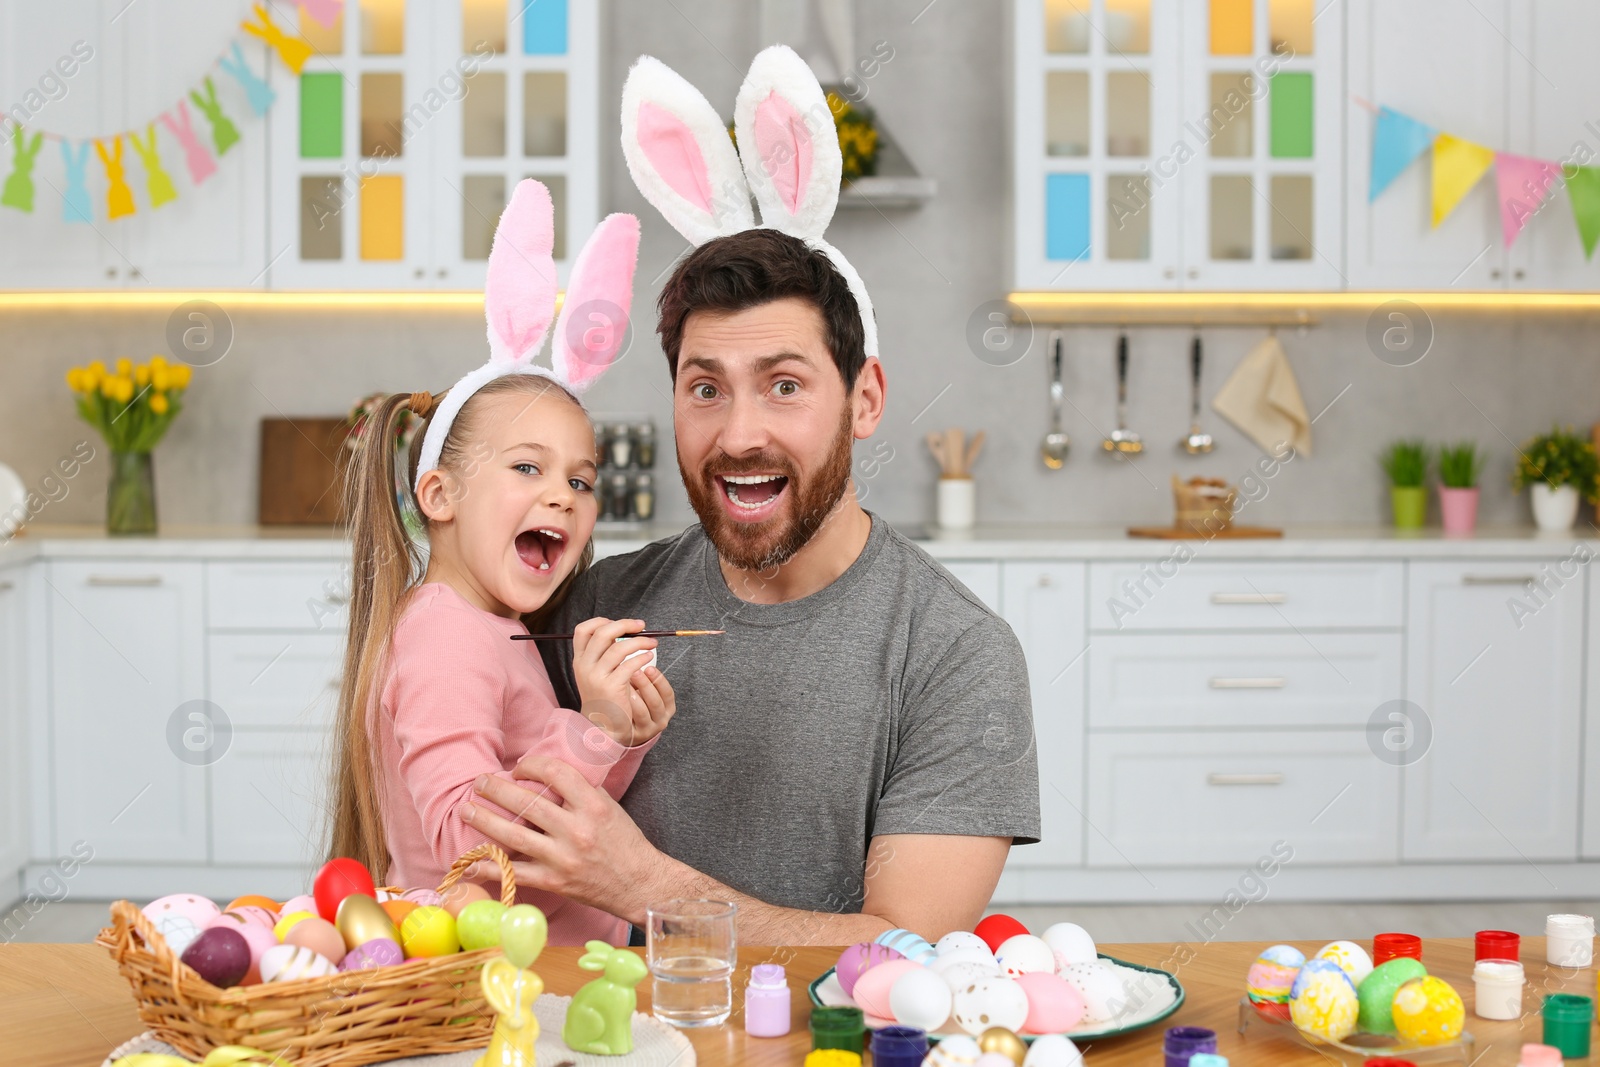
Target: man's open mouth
[[752, 492], [541, 548]]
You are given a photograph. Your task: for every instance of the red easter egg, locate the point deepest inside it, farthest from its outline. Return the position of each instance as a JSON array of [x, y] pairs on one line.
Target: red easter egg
[[338, 879], [995, 929]]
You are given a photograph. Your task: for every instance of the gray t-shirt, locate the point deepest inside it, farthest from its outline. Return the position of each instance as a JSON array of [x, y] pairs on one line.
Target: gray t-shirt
[[891, 702]]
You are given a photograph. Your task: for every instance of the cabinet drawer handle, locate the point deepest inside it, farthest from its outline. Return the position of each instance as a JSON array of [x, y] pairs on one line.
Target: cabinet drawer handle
[[1248, 598], [1272, 778], [124, 579], [1249, 683], [1497, 579]]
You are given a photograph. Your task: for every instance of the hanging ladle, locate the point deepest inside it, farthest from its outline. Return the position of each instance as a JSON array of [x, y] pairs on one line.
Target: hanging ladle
[[1197, 441], [1123, 439]]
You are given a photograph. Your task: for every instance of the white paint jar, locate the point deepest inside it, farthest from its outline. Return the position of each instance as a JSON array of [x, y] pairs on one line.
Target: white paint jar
[[1497, 989], [1569, 940], [957, 503]]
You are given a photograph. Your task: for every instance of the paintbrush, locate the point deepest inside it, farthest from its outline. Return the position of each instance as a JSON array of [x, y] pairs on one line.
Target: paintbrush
[[641, 633]]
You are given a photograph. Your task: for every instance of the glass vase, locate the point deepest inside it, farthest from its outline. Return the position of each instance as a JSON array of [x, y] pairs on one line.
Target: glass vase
[[131, 496]]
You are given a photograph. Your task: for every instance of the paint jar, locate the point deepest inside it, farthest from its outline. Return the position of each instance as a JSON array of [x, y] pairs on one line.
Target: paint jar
[[1207, 1059], [1567, 1019], [841, 1028], [1497, 989], [1182, 1042], [766, 1001], [1386, 947], [832, 1057], [1569, 940], [1387, 1061], [899, 1046], [1539, 1056], [1496, 945]]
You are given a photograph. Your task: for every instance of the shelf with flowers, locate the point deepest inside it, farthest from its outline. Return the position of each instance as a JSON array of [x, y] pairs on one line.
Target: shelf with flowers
[[131, 407]]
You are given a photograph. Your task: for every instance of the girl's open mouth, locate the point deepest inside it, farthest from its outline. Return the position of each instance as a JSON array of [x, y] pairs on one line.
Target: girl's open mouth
[[542, 548], [752, 497]]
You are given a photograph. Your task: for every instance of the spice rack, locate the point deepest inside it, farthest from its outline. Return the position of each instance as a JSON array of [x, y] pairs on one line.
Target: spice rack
[[625, 489]]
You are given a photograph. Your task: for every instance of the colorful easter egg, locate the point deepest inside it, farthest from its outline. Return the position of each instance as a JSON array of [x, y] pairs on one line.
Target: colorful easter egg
[[257, 936], [1025, 954], [1376, 995], [220, 955], [179, 931], [965, 972], [1004, 1041], [978, 954], [958, 1051], [912, 946], [1104, 995], [1272, 975], [1071, 944], [287, 963], [858, 959], [920, 998], [1324, 1003], [430, 931], [338, 879], [196, 909], [1313, 967], [1351, 958], [361, 919], [290, 919], [1053, 1050], [989, 1002], [1427, 1011], [303, 902], [994, 929], [253, 900], [423, 897], [255, 914], [320, 936], [397, 909], [379, 952], [460, 895], [872, 988], [1054, 1004], [959, 939], [478, 925]]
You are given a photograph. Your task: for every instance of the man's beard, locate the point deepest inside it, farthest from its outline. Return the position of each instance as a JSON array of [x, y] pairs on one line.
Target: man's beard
[[774, 541]]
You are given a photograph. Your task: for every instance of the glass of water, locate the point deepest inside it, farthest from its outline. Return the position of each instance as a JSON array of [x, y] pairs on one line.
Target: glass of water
[[693, 953]]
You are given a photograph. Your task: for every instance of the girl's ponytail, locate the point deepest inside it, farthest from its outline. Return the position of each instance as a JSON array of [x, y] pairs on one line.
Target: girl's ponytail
[[384, 563]]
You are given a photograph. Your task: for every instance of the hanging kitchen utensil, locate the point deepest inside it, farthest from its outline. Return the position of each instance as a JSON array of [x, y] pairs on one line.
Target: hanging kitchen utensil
[[1197, 442], [1122, 439], [1054, 449]]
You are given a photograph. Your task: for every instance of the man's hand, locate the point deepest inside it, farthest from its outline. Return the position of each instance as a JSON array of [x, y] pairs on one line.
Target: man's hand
[[589, 850], [630, 704]]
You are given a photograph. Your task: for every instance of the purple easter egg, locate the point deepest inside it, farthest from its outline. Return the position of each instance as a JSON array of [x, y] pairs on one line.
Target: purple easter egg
[[219, 955], [858, 959], [379, 952]]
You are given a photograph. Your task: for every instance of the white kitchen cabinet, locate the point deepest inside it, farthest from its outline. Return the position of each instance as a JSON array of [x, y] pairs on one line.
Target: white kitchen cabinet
[[129, 64], [268, 799], [1445, 63], [1170, 594], [282, 681], [127, 652], [1496, 668], [1044, 605], [14, 777]]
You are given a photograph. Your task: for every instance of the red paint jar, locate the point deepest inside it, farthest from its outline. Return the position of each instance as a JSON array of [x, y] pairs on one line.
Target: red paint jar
[[1386, 947], [1497, 945]]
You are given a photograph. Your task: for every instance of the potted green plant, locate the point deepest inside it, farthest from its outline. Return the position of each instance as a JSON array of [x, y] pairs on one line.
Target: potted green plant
[[1406, 464], [1559, 466], [1460, 465]]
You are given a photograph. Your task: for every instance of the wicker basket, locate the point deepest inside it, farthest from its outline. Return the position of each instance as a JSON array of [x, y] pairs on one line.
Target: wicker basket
[[342, 1020], [1203, 505]]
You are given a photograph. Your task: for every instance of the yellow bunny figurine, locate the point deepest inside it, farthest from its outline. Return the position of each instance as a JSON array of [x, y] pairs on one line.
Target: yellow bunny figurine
[[511, 988]]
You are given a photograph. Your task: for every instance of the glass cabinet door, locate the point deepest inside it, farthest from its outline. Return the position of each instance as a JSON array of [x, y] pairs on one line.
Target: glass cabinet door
[[1261, 107], [1092, 209]]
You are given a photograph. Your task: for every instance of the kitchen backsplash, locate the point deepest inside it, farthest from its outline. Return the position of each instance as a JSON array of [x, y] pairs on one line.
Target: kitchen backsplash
[[1495, 379]]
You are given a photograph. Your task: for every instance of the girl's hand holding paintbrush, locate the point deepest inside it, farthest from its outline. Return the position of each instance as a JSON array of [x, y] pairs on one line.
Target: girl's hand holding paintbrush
[[631, 705]]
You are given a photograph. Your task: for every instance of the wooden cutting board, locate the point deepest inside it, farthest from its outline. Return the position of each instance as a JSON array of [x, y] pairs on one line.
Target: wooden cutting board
[[302, 471], [1175, 533]]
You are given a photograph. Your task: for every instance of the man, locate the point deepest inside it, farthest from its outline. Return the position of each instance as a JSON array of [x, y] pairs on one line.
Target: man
[[856, 753]]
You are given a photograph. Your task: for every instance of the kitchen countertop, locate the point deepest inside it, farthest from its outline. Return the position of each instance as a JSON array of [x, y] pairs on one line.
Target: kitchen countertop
[[1019, 542]]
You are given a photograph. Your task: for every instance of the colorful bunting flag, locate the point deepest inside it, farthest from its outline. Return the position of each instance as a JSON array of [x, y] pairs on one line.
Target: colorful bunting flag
[[294, 51], [323, 12], [18, 191], [76, 205], [1522, 184], [157, 180], [1396, 140], [223, 131], [119, 198], [1457, 166], [260, 94], [199, 161], [1583, 189]]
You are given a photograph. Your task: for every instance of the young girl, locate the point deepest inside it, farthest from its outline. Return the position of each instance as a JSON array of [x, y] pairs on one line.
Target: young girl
[[435, 692]]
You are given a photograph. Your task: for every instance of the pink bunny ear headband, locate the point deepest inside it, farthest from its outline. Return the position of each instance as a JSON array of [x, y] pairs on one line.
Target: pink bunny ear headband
[[519, 300], [681, 159]]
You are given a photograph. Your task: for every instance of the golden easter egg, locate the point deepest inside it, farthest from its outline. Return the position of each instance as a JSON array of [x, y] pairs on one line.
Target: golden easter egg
[[1007, 1043], [361, 919]]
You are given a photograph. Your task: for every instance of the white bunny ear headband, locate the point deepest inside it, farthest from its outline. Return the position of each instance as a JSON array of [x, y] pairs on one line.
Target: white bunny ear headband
[[682, 160], [519, 300]]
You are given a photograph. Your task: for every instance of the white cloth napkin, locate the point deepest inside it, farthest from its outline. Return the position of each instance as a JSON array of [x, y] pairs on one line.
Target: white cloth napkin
[[1262, 398]]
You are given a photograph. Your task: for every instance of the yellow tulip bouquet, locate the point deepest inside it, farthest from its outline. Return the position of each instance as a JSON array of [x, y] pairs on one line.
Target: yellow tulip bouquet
[[131, 407]]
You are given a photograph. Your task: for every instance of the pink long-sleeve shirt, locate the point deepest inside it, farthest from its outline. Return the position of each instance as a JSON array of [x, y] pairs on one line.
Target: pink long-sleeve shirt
[[462, 699]]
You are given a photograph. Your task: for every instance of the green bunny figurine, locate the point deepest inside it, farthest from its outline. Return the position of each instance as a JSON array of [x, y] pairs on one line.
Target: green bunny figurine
[[600, 1017]]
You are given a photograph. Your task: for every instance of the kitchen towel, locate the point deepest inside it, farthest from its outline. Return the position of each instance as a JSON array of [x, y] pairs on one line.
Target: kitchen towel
[[1262, 398]]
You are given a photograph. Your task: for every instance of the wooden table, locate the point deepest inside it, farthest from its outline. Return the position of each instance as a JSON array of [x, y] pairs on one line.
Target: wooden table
[[66, 1005]]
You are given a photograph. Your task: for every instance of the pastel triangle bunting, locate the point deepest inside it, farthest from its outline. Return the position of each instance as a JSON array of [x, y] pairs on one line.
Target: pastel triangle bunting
[[1396, 140], [1457, 166], [1522, 184], [1583, 189]]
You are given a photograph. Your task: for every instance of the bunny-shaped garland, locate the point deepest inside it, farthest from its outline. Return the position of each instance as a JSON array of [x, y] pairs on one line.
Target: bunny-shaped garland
[[682, 160], [519, 300]]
